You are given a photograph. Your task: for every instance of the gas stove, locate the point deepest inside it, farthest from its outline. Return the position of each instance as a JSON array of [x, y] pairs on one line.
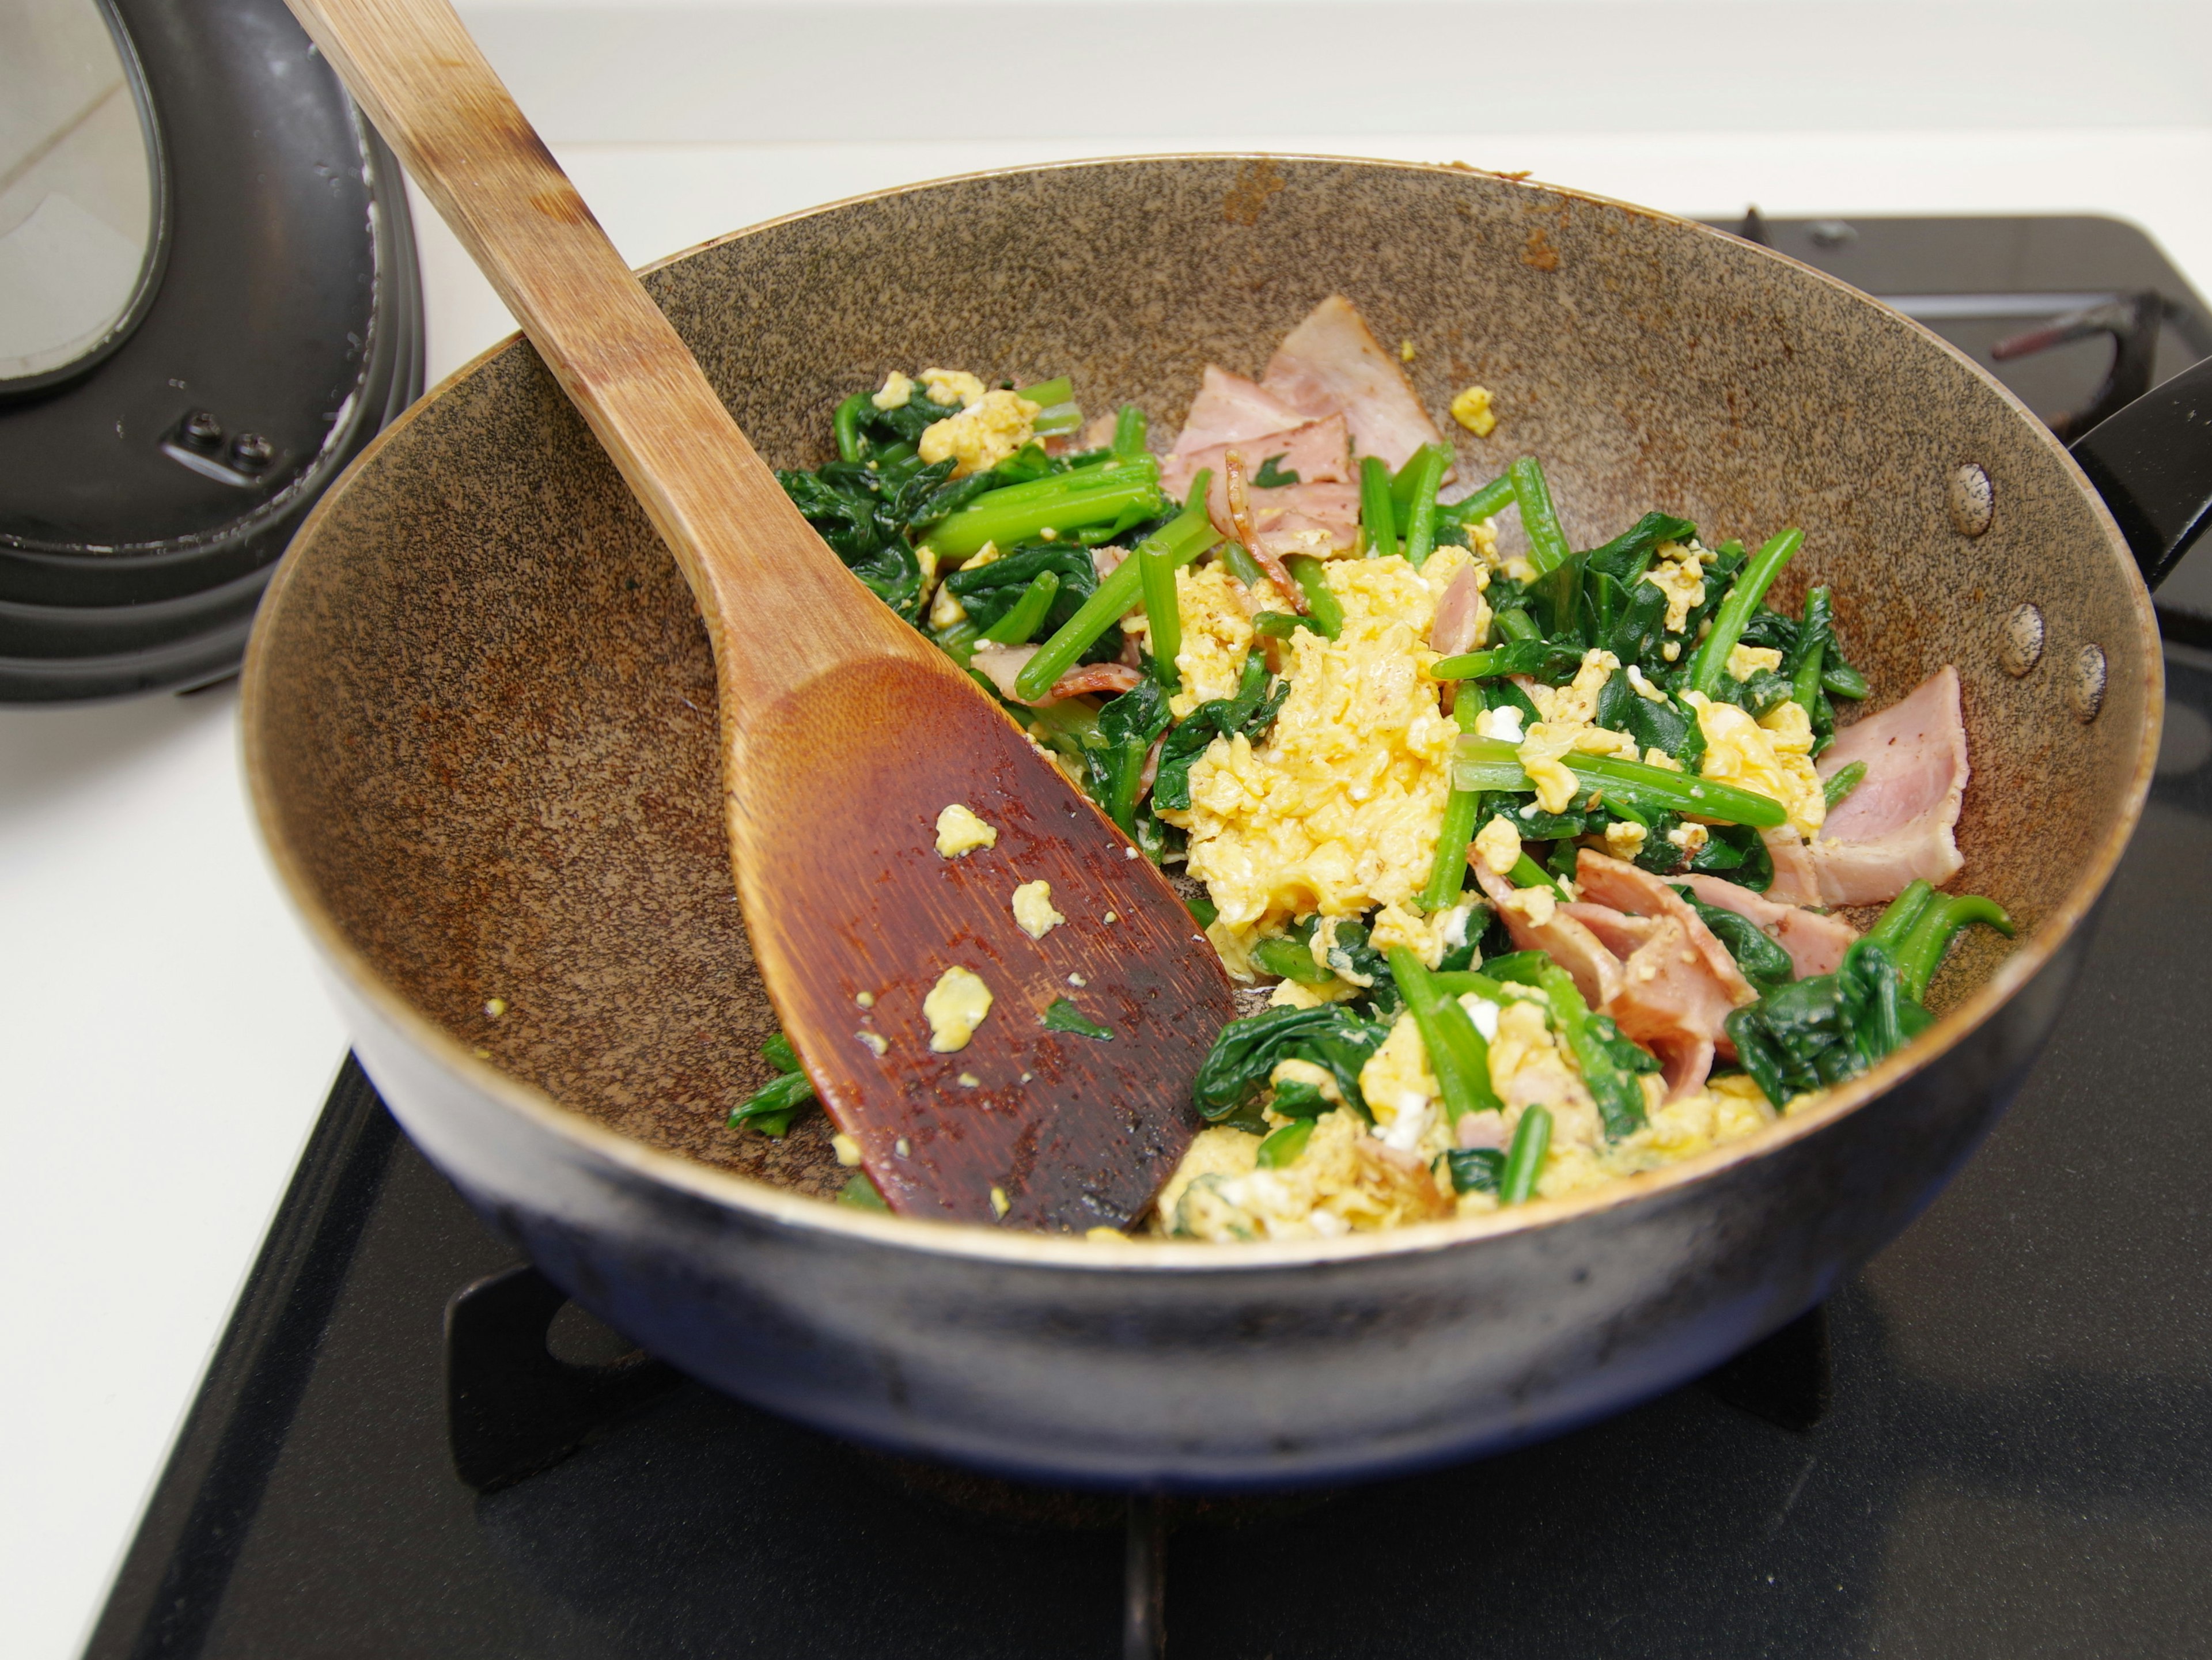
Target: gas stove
[[1992, 1441]]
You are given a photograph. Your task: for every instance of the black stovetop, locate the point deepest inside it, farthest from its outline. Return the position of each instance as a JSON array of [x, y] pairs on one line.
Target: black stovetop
[[2016, 1459]]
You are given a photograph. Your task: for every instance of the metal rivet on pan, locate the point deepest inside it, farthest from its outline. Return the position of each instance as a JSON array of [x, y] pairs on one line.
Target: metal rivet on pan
[[2023, 641], [1972, 501], [2086, 694]]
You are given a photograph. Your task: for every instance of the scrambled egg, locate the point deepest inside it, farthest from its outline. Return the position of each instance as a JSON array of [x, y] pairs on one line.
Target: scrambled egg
[[1471, 409], [1744, 661], [955, 1005], [1678, 572], [1337, 810], [1217, 636], [1497, 844], [959, 830], [1033, 909], [1346, 1181], [953, 386], [990, 429], [897, 391], [1773, 757]]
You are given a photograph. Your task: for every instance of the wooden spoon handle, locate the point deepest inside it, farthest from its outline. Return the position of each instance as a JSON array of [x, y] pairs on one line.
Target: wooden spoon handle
[[743, 546]]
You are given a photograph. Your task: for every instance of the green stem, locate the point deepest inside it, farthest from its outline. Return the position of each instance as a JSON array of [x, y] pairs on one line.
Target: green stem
[[1842, 680], [1527, 873], [846, 421], [1023, 620], [1047, 393], [1492, 499], [1540, 521], [1457, 1053], [1921, 953], [1245, 568], [1065, 501], [1284, 1146], [1896, 921], [1378, 526], [1288, 959], [1421, 512], [1517, 657], [1805, 687], [1463, 808], [1162, 611], [1711, 660], [1130, 426], [1194, 499], [1619, 1096], [1189, 535], [1323, 606], [1524, 1162], [1516, 624], [1491, 764], [1846, 780]]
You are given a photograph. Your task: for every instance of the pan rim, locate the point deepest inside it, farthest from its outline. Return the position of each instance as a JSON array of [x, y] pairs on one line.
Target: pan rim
[[766, 1202]]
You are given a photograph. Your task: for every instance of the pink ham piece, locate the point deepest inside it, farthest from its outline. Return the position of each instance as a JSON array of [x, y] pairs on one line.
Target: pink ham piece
[[1332, 364], [1796, 881], [1228, 409], [1679, 984], [1815, 943], [1326, 497], [1897, 825], [1596, 971], [999, 665], [1618, 931], [1457, 613]]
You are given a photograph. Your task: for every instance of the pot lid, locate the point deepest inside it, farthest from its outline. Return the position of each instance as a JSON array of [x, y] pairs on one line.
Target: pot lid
[[209, 304]]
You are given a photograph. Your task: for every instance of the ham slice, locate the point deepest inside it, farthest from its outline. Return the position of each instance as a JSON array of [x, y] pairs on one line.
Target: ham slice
[[1312, 519], [1679, 984], [1332, 364], [1461, 613], [1228, 409], [1815, 943], [1796, 881], [1000, 663], [1319, 451], [1608, 881], [1618, 931], [1596, 971], [1897, 825]]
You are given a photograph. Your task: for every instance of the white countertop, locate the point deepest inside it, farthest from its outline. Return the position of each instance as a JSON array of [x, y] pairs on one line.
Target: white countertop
[[164, 1046]]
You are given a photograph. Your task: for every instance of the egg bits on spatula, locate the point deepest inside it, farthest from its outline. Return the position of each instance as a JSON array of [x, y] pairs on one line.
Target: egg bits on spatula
[[915, 997]]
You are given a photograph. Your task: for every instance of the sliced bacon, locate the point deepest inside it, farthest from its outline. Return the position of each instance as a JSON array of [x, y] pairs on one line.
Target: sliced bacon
[[1816, 943], [1116, 677], [1673, 1004], [1240, 519], [1796, 881], [1618, 931], [1319, 451], [1897, 825], [1228, 409], [1596, 971], [1460, 614], [1679, 984], [1609, 881], [1000, 663], [1331, 363]]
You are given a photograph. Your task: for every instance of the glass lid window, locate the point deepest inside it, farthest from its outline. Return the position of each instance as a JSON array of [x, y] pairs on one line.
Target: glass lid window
[[80, 189]]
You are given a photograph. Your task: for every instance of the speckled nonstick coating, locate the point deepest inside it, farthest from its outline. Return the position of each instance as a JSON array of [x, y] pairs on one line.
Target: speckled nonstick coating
[[479, 727]]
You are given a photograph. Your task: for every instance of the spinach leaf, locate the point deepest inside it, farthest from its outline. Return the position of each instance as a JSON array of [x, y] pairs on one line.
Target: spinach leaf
[[1476, 1170], [1251, 712], [771, 1108], [1625, 557], [1270, 477], [1064, 1016], [1332, 1037], [1828, 1029], [1114, 758], [988, 592], [1764, 962]]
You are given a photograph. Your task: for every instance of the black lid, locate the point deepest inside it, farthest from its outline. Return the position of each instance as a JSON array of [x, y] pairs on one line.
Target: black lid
[[143, 502]]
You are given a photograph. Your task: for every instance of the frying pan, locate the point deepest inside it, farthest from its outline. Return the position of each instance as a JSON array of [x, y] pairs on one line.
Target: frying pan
[[479, 731]]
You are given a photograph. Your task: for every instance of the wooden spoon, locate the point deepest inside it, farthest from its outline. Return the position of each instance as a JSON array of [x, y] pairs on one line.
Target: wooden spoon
[[844, 735]]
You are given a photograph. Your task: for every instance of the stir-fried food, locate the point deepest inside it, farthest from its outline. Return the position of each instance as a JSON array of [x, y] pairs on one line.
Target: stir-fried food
[[1534, 859]]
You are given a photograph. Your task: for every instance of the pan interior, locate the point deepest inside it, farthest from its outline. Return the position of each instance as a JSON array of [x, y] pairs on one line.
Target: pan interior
[[482, 709]]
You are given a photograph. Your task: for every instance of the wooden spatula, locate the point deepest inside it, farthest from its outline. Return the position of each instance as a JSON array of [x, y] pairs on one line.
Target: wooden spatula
[[845, 735]]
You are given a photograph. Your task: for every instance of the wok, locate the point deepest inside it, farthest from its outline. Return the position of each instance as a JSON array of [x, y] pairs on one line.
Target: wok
[[480, 734]]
